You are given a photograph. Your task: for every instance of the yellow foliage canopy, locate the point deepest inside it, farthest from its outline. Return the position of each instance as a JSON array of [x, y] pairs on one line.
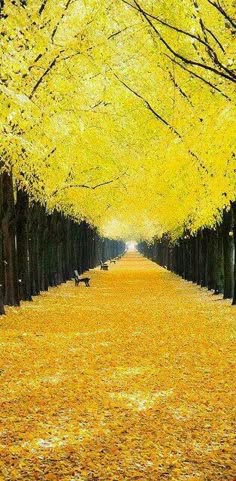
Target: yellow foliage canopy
[[121, 113]]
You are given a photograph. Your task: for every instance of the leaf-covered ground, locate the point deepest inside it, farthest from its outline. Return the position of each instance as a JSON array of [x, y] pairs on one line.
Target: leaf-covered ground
[[132, 379]]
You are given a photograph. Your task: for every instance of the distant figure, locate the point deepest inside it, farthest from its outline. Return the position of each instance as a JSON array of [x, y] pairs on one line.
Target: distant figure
[[131, 246]]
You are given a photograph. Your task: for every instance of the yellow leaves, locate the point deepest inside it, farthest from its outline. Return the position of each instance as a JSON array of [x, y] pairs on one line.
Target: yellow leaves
[[51, 477], [139, 387], [62, 92], [196, 478]]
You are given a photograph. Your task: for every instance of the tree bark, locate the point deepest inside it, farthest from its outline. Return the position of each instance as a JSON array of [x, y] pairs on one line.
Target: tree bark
[[228, 246], [11, 286], [219, 273], [22, 219], [2, 310], [34, 228], [233, 206]]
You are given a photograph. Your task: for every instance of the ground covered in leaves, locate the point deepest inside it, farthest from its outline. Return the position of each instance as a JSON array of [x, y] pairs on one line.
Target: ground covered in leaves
[[131, 379]]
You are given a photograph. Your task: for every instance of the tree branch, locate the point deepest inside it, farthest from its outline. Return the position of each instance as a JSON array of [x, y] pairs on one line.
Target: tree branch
[[231, 76], [216, 39], [117, 33], [59, 21], [149, 107], [177, 86], [223, 12], [42, 7], [172, 129], [84, 186], [45, 73], [166, 24], [212, 54], [199, 77]]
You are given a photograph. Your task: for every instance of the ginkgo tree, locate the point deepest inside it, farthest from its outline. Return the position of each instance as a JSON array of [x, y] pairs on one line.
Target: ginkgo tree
[[122, 113], [70, 122]]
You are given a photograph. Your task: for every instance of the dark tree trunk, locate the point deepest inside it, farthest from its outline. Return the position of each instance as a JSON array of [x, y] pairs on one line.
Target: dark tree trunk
[[199, 258], [233, 205], [59, 247], [204, 257], [228, 246], [22, 218], [211, 260], [43, 250], [68, 249], [219, 272], [11, 286], [2, 310], [34, 228], [52, 250]]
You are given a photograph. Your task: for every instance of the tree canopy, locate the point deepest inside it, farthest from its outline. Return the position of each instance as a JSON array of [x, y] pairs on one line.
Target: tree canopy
[[121, 112]]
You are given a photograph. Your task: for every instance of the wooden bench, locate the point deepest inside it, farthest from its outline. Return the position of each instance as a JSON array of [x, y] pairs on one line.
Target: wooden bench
[[104, 266], [79, 279]]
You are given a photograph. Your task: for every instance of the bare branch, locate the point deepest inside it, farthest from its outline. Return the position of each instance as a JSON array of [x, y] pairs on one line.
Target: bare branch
[[117, 33], [223, 12], [51, 153], [84, 186], [212, 54], [62, 16], [216, 39], [210, 84], [45, 73], [149, 107], [42, 7], [177, 86], [200, 163], [231, 76], [168, 25]]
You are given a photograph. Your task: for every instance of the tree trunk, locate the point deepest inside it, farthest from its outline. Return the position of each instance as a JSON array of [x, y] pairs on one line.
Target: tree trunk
[[11, 287], [211, 260], [228, 246], [44, 277], [219, 274], [22, 218], [233, 205], [2, 310], [204, 257], [34, 227]]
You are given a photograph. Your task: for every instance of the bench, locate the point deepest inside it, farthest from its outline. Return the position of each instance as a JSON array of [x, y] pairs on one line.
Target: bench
[[79, 279], [104, 266]]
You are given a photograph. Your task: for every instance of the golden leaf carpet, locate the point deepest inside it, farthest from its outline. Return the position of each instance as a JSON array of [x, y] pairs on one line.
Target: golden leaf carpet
[[132, 379]]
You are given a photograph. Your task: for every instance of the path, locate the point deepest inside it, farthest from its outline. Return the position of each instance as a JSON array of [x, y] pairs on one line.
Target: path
[[131, 379]]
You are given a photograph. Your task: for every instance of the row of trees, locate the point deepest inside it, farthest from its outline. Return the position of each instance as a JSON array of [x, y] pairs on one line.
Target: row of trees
[[96, 105], [39, 249], [206, 258], [98, 101]]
